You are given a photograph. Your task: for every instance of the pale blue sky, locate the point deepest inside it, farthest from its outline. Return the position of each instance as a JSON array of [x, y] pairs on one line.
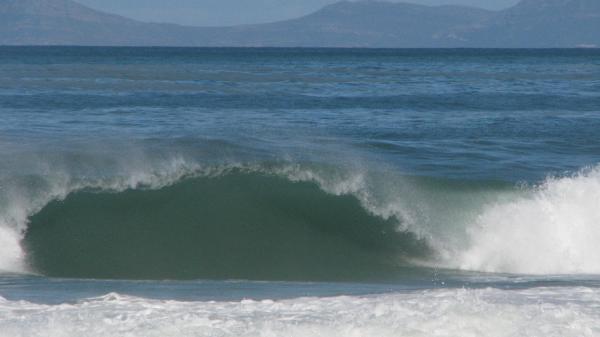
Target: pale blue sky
[[231, 12]]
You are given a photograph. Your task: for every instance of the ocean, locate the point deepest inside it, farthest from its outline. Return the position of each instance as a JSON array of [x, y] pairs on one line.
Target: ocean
[[299, 192]]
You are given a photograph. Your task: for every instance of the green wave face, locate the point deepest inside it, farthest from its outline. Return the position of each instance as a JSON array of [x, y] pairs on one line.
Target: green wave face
[[236, 226]]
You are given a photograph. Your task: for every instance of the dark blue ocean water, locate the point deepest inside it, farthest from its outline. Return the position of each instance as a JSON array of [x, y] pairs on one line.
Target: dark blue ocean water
[[403, 179], [499, 114]]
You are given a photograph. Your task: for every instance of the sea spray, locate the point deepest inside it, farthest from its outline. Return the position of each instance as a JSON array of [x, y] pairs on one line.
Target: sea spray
[[553, 229]]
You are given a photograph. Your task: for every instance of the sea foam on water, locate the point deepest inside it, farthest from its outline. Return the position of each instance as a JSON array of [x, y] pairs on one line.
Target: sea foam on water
[[560, 312]]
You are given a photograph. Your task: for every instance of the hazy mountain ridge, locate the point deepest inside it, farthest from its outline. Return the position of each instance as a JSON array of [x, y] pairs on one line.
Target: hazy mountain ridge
[[54, 8], [59, 22], [372, 24], [531, 23], [543, 23]]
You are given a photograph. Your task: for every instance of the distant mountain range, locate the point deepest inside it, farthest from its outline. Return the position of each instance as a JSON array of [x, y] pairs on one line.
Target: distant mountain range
[[531, 24]]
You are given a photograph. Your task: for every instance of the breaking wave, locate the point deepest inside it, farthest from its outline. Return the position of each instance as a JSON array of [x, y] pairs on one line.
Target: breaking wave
[[553, 229], [175, 218], [239, 224]]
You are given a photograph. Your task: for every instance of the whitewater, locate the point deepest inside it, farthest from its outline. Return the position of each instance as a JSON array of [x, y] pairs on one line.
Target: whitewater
[[489, 312], [299, 192]]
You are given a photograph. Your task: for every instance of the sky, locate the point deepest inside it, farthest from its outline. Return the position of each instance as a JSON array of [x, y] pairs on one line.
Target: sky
[[234, 12]]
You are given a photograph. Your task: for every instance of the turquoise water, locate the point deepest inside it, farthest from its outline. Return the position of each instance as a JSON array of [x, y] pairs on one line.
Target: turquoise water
[[299, 192]]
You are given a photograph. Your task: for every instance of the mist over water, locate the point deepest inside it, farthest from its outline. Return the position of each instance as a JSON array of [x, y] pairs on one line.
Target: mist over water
[[421, 169]]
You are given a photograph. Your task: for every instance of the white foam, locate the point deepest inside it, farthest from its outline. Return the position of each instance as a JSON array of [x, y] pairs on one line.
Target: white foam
[[452, 312], [555, 229], [11, 254]]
